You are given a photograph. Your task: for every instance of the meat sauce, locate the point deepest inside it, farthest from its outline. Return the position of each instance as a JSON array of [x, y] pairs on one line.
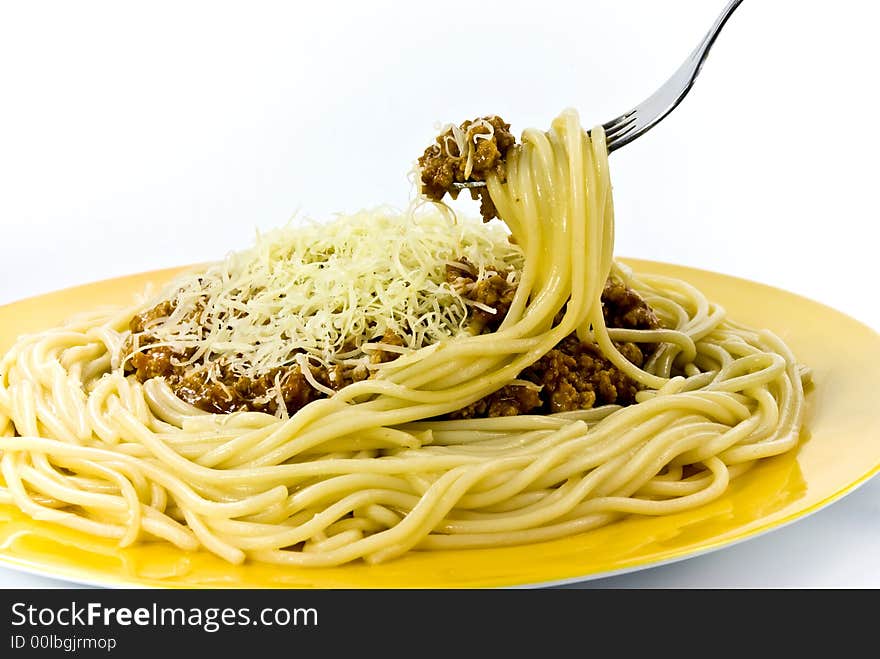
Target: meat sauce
[[443, 163], [573, 375]]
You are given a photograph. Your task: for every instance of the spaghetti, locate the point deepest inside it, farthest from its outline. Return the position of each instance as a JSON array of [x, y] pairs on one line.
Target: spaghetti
[[373, 470]]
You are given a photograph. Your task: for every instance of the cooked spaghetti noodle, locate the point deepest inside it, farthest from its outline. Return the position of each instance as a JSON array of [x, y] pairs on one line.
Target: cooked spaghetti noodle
[[375, 470]]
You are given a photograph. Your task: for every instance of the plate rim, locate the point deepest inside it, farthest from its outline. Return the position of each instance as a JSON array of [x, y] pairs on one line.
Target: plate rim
[[71, 578]]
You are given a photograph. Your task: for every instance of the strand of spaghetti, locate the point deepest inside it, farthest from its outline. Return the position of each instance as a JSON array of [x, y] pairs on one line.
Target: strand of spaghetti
[[181, 491]]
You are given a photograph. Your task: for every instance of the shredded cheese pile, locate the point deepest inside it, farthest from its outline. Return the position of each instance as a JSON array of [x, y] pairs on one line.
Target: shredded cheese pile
[[324, 294]]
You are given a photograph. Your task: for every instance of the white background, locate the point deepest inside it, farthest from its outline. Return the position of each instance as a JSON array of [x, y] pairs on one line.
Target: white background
[[139, 136]]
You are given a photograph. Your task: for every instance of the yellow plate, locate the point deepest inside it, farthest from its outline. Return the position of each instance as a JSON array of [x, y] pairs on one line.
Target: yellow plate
[[839, 451]]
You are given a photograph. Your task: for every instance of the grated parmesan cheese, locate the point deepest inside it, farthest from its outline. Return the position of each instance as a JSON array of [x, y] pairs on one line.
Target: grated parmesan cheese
[[324, 294]]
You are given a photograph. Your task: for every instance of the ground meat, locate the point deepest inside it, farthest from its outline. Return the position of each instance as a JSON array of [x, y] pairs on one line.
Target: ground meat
[[624, 308], [382, 356], [494, 291], [143, 320], [218, 388], [574, 375], [154, 362], [243, 393], [447, 161], [510, 400]]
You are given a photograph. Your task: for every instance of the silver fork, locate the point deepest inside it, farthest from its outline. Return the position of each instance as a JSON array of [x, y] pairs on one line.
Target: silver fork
[[622, 130]]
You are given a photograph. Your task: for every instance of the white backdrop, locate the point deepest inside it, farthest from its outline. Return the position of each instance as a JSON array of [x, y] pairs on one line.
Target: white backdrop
[[139, 136]]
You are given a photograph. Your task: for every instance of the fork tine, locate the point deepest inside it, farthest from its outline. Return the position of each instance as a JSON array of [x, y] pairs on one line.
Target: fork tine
[[613, 126], [620, 128], [469, 184]]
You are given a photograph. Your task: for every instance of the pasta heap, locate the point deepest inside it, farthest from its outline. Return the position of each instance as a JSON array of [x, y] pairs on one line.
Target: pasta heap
[[371, 472]]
